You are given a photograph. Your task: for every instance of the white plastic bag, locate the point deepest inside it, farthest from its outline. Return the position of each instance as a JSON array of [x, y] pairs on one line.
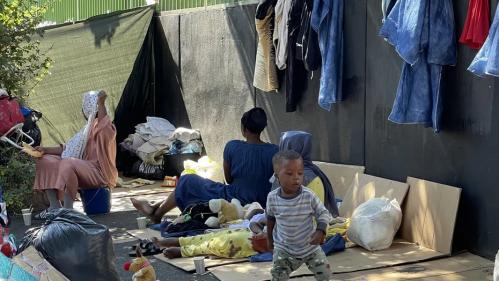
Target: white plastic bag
[[206, 168], [374, 223]]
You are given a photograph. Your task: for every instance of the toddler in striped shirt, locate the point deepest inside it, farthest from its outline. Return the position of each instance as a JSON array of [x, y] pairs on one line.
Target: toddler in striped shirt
[[291, 232]]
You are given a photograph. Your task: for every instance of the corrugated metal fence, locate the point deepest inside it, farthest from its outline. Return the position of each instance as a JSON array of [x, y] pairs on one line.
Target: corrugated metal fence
[[61, 11]]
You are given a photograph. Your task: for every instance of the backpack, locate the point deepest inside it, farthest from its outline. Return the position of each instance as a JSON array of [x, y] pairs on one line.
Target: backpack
[[10, 114], [199, 211]]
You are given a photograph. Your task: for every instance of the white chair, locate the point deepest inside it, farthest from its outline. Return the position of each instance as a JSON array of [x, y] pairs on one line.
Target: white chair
[[15, 136]]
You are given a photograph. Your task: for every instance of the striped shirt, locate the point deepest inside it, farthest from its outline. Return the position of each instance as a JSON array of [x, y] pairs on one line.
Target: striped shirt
[[294, 225]]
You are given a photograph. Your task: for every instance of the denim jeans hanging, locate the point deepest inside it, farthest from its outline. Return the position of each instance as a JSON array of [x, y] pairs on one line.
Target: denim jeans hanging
[[327, 21], [423, 34]]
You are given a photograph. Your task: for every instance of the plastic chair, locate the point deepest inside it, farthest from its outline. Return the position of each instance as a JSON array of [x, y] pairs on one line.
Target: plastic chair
[[15, 136]]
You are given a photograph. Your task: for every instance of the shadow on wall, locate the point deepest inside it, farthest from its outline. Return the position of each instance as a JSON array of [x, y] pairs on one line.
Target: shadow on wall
[[103, 29], [241, 22]]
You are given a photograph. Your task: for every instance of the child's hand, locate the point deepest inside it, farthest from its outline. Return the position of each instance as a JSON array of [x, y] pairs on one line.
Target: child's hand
[[318, 238]]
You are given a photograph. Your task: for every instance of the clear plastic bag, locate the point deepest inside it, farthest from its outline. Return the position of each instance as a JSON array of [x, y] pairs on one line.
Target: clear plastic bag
[[204, 167], [374, 223]]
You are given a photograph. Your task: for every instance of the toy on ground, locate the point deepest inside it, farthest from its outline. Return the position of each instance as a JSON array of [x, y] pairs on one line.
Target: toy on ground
[[226, 211], [7, 243], [142, 268]]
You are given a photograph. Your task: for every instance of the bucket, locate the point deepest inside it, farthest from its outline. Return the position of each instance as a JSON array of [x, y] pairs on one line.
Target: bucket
[[96, 201]]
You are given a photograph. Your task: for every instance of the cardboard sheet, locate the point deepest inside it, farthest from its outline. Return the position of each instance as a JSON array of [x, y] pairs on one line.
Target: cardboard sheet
[[33, 262], [365, 187], [462, 267], [340, 176], [427, 221], [186, 264], [351, 260]]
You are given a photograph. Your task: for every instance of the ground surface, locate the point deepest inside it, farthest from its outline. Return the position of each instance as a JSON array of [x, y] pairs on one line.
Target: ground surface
[[123, 218]]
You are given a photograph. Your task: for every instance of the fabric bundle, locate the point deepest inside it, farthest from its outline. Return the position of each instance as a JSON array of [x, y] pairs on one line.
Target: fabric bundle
[[422, 32], [486, 61]]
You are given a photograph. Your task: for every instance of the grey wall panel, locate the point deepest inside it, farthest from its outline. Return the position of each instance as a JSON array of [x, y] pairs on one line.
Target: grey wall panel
[[339, 134], [218, 50], [464, 154]]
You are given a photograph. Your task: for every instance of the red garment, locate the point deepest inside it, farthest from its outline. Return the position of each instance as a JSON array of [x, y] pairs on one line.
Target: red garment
[[477, 24]]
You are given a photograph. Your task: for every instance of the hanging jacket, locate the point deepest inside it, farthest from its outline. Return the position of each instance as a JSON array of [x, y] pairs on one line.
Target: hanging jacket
[[423, 33], [281, 32], [296, 74], [265, 77], [476, 26], [327, 21], [487, 59], [307, 44]]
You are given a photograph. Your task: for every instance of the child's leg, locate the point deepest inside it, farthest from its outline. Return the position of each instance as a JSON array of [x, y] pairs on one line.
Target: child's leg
[[283, 265], [318, 264]]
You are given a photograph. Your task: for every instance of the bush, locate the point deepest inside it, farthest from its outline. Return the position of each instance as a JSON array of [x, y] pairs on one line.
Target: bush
[[17, 174]]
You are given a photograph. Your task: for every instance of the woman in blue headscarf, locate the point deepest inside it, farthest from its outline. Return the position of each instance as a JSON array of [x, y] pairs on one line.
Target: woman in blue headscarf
[[313, 177]]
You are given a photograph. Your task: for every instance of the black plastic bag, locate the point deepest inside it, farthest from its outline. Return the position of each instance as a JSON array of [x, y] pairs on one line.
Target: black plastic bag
[[75, 245]]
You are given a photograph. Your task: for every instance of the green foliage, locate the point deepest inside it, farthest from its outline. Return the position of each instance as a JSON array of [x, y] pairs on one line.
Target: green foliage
[[17, 174], [22, 63]]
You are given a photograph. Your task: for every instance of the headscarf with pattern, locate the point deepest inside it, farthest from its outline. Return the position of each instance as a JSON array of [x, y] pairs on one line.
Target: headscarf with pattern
[[76, 145]]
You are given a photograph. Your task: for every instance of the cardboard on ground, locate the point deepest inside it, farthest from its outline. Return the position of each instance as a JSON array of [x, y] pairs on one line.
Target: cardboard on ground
[[32, 261], [407, 250], [340, 176]]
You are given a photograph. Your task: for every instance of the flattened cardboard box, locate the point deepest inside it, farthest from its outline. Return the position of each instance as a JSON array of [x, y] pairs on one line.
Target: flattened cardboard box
[[33, 262]]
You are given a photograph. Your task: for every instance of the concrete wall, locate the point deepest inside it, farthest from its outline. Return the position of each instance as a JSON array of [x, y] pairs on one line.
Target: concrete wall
[[212, 54]]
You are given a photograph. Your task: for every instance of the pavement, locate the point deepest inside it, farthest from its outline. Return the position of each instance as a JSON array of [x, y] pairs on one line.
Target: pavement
[[122, 218]]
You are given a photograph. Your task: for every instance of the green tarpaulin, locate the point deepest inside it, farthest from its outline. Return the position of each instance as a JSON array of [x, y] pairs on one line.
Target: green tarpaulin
[[95, 54]]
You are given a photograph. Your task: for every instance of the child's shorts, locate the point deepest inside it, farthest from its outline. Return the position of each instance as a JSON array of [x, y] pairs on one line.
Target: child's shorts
[[284, 264]]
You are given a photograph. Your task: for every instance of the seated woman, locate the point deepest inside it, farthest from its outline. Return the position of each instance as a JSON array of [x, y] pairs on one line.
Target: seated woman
[[86, 161], [234, 244], [314, 178], [247, 168]]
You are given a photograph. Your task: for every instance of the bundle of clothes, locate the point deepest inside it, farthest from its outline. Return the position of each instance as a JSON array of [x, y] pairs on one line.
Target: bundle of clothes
[[297, 38], [156, 138]]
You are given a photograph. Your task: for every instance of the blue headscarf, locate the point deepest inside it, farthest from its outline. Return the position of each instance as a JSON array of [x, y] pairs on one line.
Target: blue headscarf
[[301, 142]]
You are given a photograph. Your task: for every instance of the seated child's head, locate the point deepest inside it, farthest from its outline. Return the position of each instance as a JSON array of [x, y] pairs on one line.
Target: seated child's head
[[288, 168]]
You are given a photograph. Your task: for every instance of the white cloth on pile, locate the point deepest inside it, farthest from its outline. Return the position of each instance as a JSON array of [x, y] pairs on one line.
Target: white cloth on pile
[[155, 127], [132, 142], [152, 151]]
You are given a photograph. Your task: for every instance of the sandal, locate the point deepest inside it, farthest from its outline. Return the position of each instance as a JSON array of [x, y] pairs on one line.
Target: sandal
[[146, 248]]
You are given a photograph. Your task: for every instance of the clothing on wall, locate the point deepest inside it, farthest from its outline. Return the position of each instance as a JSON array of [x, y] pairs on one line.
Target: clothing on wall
[[476, 26], [422, 32], [307, 43], [327, 21], [486, 61], [296, 74], [265, 78], [386, 7], [282, 10]]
